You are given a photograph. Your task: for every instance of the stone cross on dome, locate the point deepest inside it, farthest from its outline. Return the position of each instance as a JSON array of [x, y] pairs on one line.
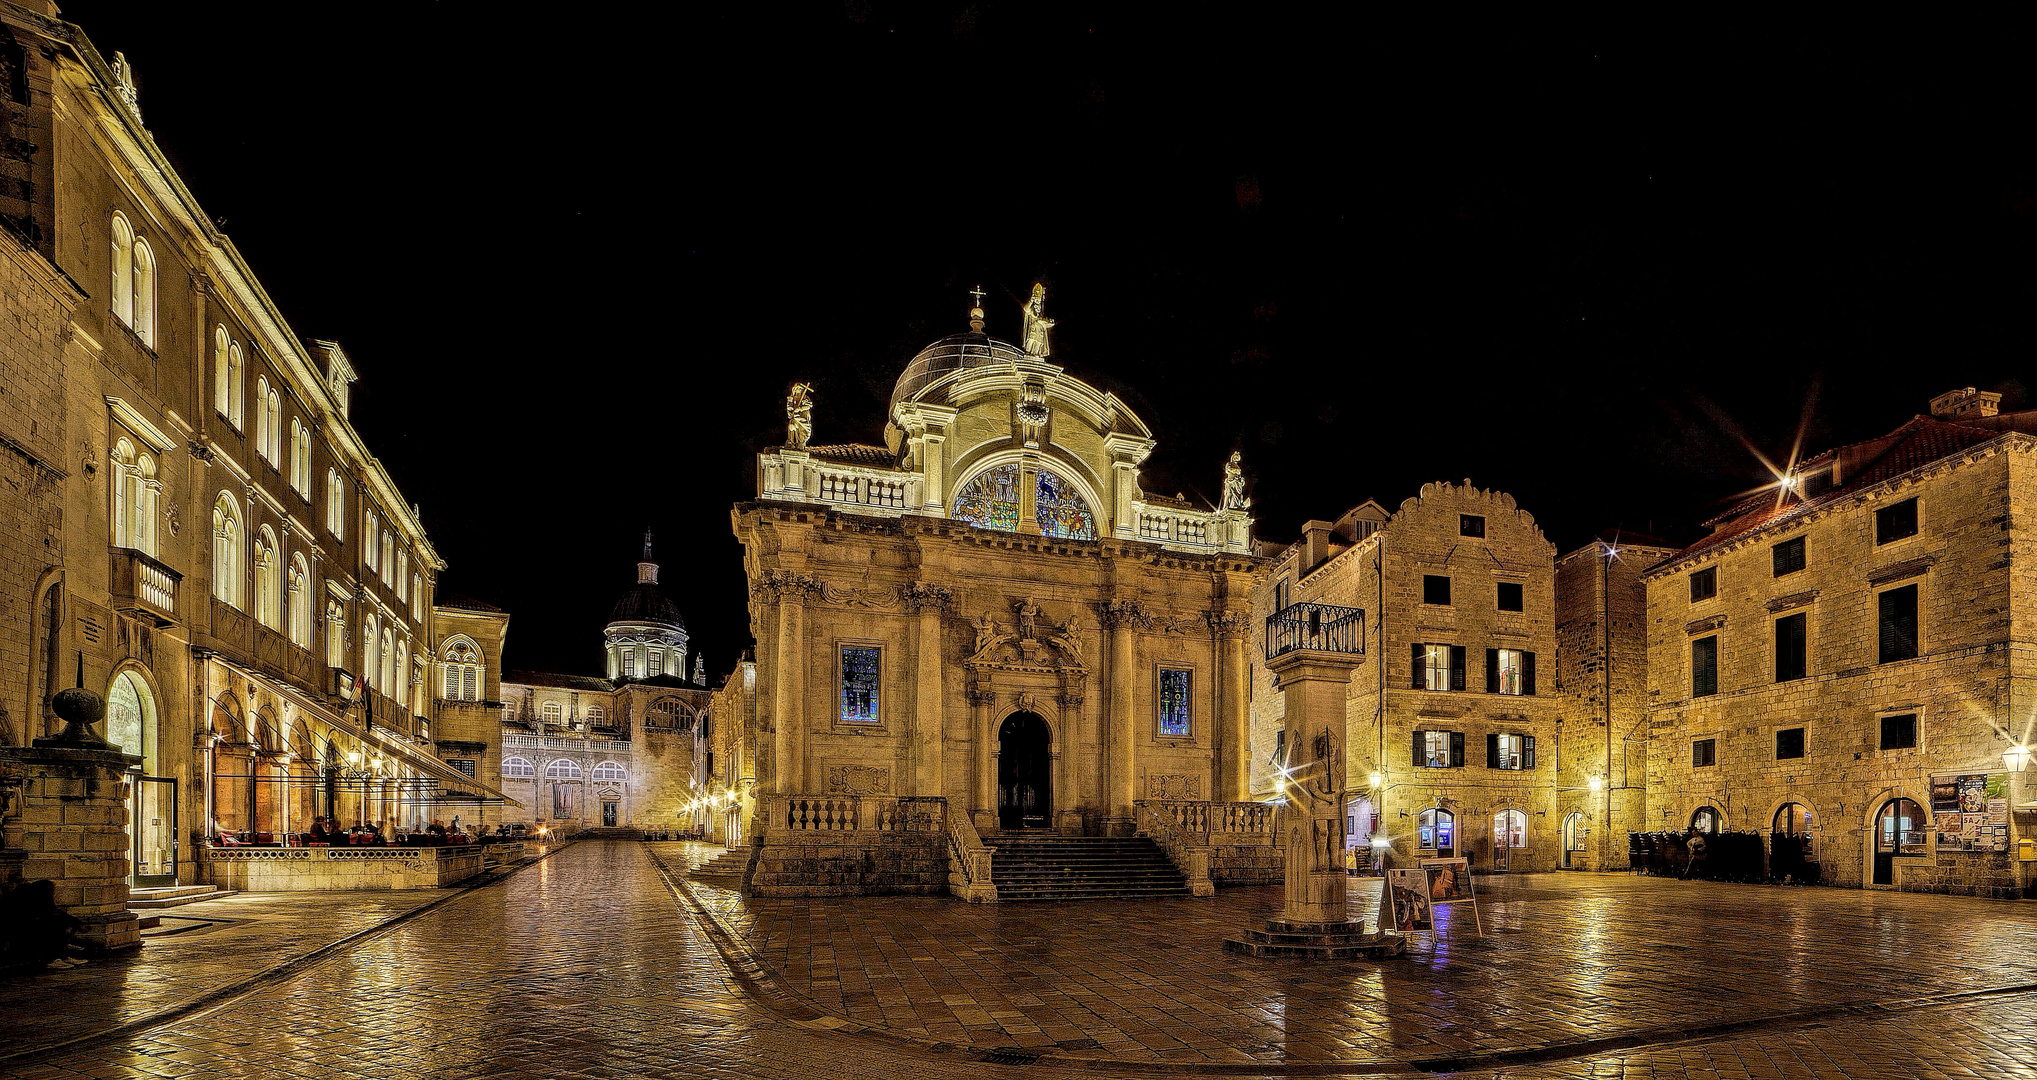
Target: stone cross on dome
[[976, 309], [647, 571]]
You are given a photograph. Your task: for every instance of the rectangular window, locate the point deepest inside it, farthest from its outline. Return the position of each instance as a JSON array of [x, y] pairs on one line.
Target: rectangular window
[[654, 662], [1280, 747], [469, 673], [1509, 751], [465, 765], [1895, 522], [1510, 596], [1788, 556], [452, 683], [1789, 743], [1704, 752], [1438, 667], [861, 667], [1704, 584], [1435, 589], [1898, 624], [1281, 594], [1704, 667], [1438, 749], [1175, 697], [1470, 525], [629, 662], [1509, 671], [1899, 732], [1791, 648]]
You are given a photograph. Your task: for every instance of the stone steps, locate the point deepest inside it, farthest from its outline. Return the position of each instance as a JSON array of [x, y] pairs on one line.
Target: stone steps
[[153, 899], [1082, 868], [724, 869], [1316, 941]]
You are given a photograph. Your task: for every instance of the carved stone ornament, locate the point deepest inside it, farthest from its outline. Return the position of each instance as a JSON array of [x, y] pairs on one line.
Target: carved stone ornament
[[1227, 623], [1037, 325], [799, 416], [1124, 615], [923, 596], [1033, 415], [1234, 484], [1173, 786], [785, 584], [858, 780]]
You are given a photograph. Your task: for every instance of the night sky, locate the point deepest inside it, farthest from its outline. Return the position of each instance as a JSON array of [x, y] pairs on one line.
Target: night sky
[[578, 255]]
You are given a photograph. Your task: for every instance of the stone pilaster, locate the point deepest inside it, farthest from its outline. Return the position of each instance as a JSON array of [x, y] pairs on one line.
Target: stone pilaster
[[927, 603], [1121, 617]]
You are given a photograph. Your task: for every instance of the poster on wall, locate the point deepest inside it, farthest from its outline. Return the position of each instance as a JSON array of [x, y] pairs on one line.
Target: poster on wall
[[1409, 894], [1970, 812]]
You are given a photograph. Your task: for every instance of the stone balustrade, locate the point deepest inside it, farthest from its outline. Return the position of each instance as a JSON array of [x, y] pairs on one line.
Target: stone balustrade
[[851, 845], [791, 474], [1232, 843], [316, 869]]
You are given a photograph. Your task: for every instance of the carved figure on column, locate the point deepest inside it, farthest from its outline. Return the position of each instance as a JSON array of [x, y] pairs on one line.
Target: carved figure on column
[[1036, 322], [799, 416], [1234, 484]]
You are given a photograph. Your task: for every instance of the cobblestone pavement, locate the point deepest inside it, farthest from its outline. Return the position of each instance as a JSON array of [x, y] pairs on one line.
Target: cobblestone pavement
[[583, 965]]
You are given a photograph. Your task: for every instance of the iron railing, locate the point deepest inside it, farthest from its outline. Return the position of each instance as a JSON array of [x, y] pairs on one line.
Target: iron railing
[[1320, 627]]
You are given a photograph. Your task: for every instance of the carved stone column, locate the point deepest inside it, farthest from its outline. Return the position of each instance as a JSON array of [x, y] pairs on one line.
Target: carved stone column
[[983, 793], [1234, 768], [788, 679], [1121, 617], [1314, 684], [927, 602]]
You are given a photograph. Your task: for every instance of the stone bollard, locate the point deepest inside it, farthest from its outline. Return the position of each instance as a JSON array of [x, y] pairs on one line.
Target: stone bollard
[[69, 819]]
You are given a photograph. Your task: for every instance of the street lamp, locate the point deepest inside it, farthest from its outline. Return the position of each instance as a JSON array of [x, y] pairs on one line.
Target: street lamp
[[2017, 758], [1376, 778], [1597, 784]]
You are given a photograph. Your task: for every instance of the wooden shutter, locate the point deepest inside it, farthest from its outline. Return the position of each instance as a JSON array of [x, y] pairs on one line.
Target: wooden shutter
[[1528, 674], [1527, 751], [1492, 671], [1421, 655], [1492, 747], [1420, 755], [1456, 667], [1456, 749]]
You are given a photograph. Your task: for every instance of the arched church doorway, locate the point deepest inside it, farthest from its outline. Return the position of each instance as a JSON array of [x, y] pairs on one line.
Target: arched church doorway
[[1025, 795]]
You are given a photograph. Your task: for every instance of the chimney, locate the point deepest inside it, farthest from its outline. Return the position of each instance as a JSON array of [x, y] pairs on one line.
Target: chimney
[[1315, 544], [1965, 404]]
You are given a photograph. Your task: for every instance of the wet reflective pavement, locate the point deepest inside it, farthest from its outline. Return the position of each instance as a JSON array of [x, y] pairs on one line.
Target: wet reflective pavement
[[586, 964]]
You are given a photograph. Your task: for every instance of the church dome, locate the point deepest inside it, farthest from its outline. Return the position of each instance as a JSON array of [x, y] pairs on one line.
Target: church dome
[[950, 354], [644, 603]]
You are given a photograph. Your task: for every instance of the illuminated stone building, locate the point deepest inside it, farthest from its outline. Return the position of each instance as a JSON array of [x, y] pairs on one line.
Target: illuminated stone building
[[1846, 659], [989, 610], [1452, 723], [627, 751], [199, 532]]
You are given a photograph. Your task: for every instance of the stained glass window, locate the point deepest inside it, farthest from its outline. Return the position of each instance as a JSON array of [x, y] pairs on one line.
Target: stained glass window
[[991, 500], [1174, 699], [860, 669], [1061, 512]]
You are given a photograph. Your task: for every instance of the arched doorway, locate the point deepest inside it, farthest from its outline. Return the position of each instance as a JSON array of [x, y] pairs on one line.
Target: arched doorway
[[1790, 854], [1706, 820], [1509, 834], [1898, 833], [1574, 834], [1437, 833], [1025, 779], [131, 724]]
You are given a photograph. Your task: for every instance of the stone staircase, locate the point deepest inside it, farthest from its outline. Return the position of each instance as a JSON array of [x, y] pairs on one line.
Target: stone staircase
[[174, 896], [1042, 867], [725, 869], [1316, 941]]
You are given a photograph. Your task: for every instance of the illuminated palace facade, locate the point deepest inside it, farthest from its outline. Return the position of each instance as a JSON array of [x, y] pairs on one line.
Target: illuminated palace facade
[[989, 610], [192, 525]]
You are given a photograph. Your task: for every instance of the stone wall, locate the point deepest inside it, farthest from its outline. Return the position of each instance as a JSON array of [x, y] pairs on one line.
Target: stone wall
[[1246, 864], [312, 869], [850, 847]]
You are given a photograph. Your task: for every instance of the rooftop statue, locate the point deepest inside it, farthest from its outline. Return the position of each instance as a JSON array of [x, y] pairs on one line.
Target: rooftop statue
[[1234, 484], [1037, 323], [799, 416]]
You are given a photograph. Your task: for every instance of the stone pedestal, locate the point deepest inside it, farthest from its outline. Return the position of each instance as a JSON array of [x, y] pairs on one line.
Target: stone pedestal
[[69, 820]]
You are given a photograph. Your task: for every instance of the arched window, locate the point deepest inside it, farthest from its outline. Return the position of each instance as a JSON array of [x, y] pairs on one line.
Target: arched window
[[388, 661], [388, 554], [417, 596], [1793, 819], [300, 602], [1899, 829], [335, 634], [1706, 820], [517, 768], [670, 713], [403, 575], [551, 713], [222, 384], [1438, 830], [227, 552], [563, 769], [371, 536], [144, 293], [268, 580], [233, 375], [402, 674], [991, 500], [335, 506], [135, 493], [597, 716], [608, 772], [371, 633], [123, 270], [461, 661], [1510, 829], [274, 418], [131, 718], [300, 458], [262, 425]]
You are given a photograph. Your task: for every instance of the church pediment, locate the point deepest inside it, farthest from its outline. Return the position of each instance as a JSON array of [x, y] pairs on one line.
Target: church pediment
[[1030, 642]]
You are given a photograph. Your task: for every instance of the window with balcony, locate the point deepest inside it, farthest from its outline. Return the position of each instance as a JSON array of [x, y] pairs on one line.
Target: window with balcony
[[371, 654], [1509, 671], [268, 580], [552, 713], [299, 600], [136, 492], [399, 681]]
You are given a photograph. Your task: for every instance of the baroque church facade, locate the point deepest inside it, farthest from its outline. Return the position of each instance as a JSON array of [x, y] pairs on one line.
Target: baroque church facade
[[988, 609]]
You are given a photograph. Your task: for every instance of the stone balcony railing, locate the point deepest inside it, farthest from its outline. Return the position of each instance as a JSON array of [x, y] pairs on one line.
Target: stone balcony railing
[[794, 475], [1215, 842], [1315, 627], [144, 586], [512, 740]]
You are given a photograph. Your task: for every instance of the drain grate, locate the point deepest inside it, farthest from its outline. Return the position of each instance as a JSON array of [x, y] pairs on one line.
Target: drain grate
[[1011, 1056]]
